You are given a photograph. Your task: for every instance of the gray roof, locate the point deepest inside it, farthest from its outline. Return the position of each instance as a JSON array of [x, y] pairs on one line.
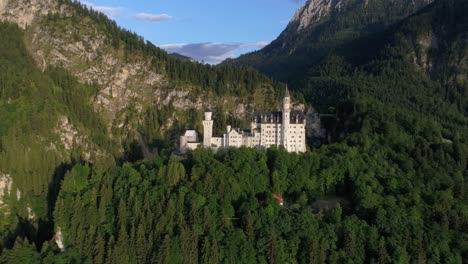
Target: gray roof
[[296, 117]]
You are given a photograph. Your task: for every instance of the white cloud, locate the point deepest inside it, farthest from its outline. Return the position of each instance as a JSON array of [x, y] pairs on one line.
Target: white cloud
[[257, 45], [107, 10], [211, 52], [153, 17]]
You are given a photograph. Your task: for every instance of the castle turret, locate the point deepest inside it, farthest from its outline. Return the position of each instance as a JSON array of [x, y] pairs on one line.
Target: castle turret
[[183, 144], [207, 129], [286, 119]]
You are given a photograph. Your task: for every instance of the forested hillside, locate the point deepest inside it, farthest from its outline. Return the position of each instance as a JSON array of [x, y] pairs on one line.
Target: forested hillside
[[406, 193], [137, 83], [36, 135], [390, 187], [52, 117]]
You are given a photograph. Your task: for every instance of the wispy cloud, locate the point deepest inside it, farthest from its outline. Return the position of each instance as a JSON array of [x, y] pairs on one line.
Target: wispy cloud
[[109, 11], [211, 52], [153, 17], [257, 45]]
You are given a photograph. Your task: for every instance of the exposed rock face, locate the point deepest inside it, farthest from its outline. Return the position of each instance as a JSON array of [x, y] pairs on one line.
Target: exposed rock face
[[5, 187], [424, 45], [92, 59], [67, 133], [24, 13], [70, 137], [31, 214], [58, 238], [2, 5], [313, 11], [128, 81], [427, 54], [314, 125], [84, 50]]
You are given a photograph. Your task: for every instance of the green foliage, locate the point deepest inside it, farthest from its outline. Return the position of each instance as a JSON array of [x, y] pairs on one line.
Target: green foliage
[[21, 254], [76, 180], [406, 202], [32, 104]]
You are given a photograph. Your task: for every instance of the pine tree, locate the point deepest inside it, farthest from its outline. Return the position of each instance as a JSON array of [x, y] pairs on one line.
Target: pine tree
[[99, 253]]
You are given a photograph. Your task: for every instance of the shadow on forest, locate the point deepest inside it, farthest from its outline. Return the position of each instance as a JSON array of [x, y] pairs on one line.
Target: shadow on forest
[[24, 229], [46, 228], [42, 230]]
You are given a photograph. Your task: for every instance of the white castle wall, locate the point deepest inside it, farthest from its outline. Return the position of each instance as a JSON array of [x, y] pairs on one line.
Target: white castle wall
[[291, 135]]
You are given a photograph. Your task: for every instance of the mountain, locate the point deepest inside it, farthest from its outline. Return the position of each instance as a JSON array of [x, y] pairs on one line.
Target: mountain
[[181, 57], [321, 27], [362, 36], [422, 54], [80, 97], [130, 72]]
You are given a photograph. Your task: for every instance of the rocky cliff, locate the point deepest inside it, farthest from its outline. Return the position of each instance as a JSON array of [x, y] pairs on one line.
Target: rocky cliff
[[24, 13], [57, 34], [313, 11]]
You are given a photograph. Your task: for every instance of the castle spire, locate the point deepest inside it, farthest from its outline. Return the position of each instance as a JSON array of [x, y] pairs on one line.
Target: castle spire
[[286, 119], [287, 91]]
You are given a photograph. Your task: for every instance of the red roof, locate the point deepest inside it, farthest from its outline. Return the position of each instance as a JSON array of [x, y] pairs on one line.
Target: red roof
[[279, 198]]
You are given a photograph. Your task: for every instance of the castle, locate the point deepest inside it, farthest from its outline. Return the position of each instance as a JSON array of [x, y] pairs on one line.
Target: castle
[[286, 128]]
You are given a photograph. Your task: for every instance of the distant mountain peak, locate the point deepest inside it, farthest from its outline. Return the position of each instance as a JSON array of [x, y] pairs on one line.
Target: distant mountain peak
[[320, 27], [313, 11], [181, 57]]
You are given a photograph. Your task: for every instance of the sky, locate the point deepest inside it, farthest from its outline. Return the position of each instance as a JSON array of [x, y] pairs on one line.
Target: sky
[[206, 30]]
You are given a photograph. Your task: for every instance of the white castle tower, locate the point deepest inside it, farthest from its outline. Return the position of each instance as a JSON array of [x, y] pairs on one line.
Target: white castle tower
[[207, 130], [286, 120]]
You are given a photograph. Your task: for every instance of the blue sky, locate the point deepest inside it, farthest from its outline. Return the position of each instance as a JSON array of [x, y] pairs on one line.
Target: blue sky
[[206, 30]]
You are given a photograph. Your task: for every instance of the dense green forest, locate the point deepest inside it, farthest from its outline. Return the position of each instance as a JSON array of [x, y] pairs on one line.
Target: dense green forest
[[390, 67], [405, 187], [394, 175]]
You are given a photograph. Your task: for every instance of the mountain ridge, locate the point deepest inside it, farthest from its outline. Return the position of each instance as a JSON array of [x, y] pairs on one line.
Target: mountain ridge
[[130, 71], [321, 26]]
